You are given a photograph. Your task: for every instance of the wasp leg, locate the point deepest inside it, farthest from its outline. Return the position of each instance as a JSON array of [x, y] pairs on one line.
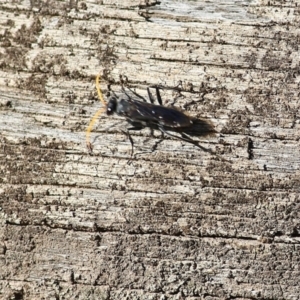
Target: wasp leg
[[134, 93], [150, 96], [137, 126], [205, 149], [187, 139], [158, 96], [161, 138], [130, 139], [154, 147]]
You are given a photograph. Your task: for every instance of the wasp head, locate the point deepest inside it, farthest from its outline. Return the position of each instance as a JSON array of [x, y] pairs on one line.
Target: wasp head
[[111, 106]]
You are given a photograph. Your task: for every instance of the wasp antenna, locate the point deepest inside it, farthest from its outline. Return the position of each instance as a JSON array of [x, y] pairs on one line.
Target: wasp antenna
[[96, 115], [90, 127], [99, 90]]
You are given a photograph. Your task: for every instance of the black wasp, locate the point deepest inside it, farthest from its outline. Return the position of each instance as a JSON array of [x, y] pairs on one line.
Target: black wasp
[[141, 114]]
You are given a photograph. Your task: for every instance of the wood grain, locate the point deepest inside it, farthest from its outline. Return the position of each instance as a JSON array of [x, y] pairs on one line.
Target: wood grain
[[174, 223]]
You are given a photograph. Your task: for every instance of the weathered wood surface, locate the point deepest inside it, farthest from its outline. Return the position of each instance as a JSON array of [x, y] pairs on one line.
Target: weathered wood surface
[[176, 223]]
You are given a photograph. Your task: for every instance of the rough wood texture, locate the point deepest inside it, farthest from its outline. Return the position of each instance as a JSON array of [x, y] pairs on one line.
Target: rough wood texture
[[175, 223]]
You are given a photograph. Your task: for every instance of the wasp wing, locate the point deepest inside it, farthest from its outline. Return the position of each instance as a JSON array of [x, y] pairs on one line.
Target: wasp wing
[[156, 114]]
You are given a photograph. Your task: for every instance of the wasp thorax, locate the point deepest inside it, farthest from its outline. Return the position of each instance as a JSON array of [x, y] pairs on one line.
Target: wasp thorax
[[111, 106]]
